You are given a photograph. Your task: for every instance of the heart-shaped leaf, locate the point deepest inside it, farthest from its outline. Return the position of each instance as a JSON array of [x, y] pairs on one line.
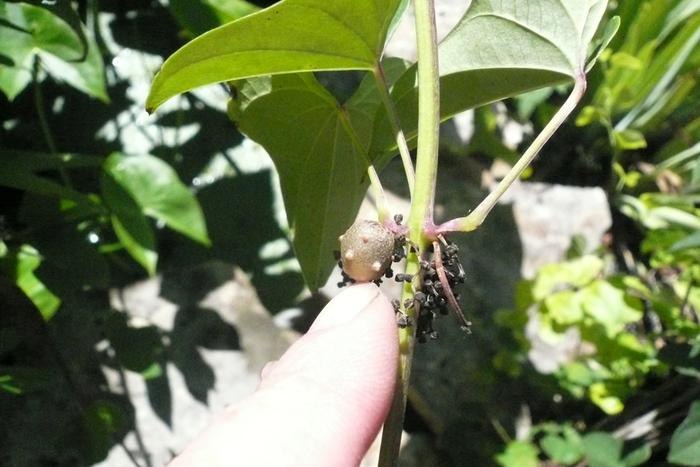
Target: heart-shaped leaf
[[317, 151], [498, 50], [28, 31], [64, 10], [290, 36], [155, 187]]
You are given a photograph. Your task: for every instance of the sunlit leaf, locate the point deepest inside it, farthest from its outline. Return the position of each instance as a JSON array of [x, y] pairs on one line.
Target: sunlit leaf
[[521, 46], [519, 454], [608, 306], [291, 36], [56, 45], [156, 189], [64, 10], [22, 267], [129, 223], [685, 443], [322, 170]]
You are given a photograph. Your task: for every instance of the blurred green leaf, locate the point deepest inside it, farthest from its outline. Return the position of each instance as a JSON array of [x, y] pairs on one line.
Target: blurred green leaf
[[575, 273], [136, 236], [685, 443], [683, 10], [609, 307], [63, 10], [605, 398], [566, 451], [292, 36], [564, 307], [691, 241], [603, 450], [21, 267], [629, 140], [519, 454], [129, 223], [55, 44], [155, 187]]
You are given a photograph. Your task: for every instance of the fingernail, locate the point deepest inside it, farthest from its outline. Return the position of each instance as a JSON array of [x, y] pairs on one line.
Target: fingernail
[[346, 306]]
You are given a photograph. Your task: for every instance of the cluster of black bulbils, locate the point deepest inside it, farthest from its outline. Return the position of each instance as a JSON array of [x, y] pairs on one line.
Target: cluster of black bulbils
[[435, 295], [367, 250]]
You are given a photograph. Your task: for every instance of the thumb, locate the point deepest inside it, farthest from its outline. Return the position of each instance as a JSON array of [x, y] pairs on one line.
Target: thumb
[[323, 402]]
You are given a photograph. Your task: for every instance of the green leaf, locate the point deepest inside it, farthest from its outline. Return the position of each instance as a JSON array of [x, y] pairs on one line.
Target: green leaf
[[608, 306], [685, 443], [63, 10], [290, 36], [564, 307], [155, 187], [691, 241], [136, 236], [609, 32], [566, 451], [498, 50], [604, 396], [575, 273], [37, 32], [629, 139], [130, 224], [519, 454], [322, 170], [637, 455], [21, 267], [602, 450]]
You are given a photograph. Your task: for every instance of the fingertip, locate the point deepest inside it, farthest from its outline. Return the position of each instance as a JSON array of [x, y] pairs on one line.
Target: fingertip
[[349, 303]]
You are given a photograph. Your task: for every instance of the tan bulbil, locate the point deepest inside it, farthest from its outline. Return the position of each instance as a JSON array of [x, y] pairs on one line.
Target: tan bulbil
[[366, 249]]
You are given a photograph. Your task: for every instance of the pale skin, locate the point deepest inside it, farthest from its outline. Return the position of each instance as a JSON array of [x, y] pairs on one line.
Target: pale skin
[[322, 403]]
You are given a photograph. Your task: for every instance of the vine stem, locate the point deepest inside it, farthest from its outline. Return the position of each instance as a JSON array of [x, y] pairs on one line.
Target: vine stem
[[478, 215], [383, 87], [420, 216], [43, 121]]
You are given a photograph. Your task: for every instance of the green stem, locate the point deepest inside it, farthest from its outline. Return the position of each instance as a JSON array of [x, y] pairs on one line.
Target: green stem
[[421, 213], [478, 215], [43, 121], [401, 143]]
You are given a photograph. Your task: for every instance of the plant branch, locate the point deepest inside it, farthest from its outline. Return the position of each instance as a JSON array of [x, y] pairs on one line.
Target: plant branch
[[43, 121], [401, 143], [421, 215], [478, 215]]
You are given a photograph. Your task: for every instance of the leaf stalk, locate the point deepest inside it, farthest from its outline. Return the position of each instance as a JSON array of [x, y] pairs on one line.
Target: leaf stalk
[[383, 87], [478, 215]]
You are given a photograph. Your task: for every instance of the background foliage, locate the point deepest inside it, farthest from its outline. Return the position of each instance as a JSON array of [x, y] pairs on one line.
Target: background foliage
[[95, 195]]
